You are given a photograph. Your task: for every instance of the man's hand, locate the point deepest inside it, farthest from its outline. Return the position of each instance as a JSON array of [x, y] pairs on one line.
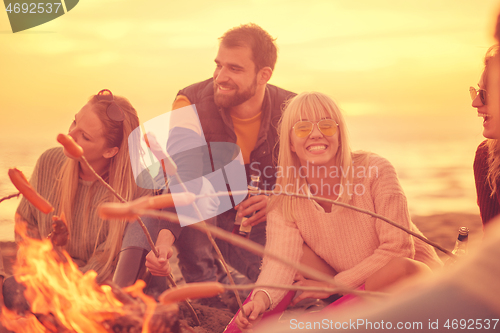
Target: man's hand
[[256, 204], [301, 281], [159, 266]]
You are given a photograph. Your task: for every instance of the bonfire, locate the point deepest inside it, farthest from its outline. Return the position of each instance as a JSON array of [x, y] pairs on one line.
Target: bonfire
[[63, 299]]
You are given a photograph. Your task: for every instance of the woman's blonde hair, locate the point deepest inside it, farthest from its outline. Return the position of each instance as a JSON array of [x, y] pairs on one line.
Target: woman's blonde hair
[[119, 176], [309, 105], [492, 144]]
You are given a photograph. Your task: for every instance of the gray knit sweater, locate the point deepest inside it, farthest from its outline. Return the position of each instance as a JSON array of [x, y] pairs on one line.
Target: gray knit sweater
[[85, 216]]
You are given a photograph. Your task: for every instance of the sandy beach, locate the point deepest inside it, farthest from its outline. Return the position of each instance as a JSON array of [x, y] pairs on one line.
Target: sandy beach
[[440, 228]]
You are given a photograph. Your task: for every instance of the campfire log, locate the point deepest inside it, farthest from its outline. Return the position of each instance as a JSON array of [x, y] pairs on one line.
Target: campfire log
[[13, 293], [165, 319], [51, 323]]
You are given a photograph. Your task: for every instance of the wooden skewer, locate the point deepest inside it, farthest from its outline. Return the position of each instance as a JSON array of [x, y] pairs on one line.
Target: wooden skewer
[[15, 195], [169, 167], [364, 211], [214, 244], [143, 226], [243, 243], [68, 143], [210, 289]]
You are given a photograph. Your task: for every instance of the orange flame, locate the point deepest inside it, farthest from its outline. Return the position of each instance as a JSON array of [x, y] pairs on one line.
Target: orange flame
[[55, 286]]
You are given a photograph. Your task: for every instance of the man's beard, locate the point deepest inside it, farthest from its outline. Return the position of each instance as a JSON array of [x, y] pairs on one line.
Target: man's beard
[[239, 97]]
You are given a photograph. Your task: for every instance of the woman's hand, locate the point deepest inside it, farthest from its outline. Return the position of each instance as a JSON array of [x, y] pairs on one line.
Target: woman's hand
[[160, 266], [301, 281], [254, 311]]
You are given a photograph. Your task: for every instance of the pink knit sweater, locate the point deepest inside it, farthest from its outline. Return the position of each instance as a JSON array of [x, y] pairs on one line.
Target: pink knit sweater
[[356, 245]]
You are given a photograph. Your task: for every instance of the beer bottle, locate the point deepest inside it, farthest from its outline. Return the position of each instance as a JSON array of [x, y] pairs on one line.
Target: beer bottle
[[460, 248], [239, 228]]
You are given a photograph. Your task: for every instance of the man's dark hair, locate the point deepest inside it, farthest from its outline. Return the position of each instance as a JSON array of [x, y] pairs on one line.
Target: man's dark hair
[[264, 50]]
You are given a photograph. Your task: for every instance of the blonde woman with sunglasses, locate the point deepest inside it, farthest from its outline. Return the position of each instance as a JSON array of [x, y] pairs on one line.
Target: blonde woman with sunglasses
[[487, 160], [359, 250]]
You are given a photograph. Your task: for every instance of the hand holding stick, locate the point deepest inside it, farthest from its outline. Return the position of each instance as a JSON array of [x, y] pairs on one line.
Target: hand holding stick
[[170, 168], [75, 150]]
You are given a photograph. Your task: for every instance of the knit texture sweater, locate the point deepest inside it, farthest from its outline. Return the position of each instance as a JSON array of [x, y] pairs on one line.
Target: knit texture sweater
[[489, 206], [356, 245], [85, 216]]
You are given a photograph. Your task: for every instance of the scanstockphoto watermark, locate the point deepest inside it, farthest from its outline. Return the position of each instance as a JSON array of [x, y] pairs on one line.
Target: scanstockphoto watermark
[[436, 324], [355, 187], [356, 324]]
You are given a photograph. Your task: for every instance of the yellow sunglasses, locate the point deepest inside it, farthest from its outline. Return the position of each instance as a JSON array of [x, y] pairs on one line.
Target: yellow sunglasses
[[304, 128]]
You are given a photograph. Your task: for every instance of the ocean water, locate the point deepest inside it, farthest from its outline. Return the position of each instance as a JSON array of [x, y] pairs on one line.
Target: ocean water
[[433, 157]]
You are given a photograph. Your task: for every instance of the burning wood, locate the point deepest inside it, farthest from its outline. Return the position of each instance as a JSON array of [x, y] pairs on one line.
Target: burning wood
[[63, 299]]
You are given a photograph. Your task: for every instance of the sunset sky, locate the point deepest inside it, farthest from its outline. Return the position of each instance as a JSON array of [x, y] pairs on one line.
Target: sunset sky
[[387, 57]]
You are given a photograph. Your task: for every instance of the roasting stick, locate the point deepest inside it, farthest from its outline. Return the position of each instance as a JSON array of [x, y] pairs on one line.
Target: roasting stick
[[75, 150], [170, 168], [203, 290], [259, 250], [15, 195], [156, 150], [241, 242], [209, 289], [364, 211], [216, 247]]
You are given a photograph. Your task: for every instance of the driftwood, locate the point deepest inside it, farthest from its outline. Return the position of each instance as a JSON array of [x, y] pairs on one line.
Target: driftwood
[[165, 319]]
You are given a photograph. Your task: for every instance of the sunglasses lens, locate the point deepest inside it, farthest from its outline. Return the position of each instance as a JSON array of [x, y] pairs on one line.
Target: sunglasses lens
[[482, 96], [115, 113], [327, 127], [303, 128], [481, 92]]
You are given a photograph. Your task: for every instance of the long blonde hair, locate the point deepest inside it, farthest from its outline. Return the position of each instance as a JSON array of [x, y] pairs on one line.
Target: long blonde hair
[[119, 176], [307, 105], [493, 145]]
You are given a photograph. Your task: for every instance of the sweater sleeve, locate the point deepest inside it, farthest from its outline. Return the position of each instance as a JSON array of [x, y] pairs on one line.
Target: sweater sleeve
[[183, 142], [388, 201], [284, 240]]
